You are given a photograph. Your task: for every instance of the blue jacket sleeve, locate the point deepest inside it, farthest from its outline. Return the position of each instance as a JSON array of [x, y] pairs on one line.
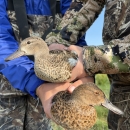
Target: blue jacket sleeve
[[64, 5], [19, 72]]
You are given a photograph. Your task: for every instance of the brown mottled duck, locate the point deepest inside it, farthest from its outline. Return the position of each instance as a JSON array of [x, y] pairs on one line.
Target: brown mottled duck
[[53, 66], [76, 111]]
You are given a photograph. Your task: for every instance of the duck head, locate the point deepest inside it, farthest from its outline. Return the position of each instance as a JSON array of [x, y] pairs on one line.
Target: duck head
[[30, 46], [90, 94]]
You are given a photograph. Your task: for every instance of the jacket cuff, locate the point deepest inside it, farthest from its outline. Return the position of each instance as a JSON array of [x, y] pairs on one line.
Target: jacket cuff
[[32, 85]]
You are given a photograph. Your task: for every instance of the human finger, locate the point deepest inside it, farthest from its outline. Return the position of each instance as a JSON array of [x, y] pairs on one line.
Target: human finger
[[56, 46], [79, 82]]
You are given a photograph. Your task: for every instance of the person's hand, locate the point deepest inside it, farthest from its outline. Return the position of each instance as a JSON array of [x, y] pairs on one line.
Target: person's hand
[[56, 46], [47, 91], [78, 71]]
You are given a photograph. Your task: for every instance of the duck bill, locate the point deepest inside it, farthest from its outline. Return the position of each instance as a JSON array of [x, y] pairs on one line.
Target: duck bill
[[112, 107], [16, 54]]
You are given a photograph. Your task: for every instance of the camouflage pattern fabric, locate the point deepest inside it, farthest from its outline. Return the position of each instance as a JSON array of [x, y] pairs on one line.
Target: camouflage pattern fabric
[[120, 96], [113, 58], [20, 111], [57, 35], [76, 21], [108, 59], [36, 25]]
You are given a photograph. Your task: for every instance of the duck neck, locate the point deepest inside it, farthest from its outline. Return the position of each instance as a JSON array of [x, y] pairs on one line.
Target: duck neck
[[41, 51], [75, 100], [79, 99]]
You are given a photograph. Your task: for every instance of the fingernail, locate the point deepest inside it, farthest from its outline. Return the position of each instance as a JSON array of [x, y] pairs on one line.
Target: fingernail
[[66, 48], [71, 88]]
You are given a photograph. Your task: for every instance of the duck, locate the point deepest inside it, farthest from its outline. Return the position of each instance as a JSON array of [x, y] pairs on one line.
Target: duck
[[76, 111], [52, 66]]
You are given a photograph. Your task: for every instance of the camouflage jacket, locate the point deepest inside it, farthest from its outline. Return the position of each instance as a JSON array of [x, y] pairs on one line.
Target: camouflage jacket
[[38, 24], [113, 56]]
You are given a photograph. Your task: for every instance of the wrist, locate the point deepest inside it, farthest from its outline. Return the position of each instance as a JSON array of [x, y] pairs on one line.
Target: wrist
[[39, 90]]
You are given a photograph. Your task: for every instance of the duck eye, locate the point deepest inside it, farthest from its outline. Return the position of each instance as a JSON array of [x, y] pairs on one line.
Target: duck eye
[[28, 42], [97, 93]]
